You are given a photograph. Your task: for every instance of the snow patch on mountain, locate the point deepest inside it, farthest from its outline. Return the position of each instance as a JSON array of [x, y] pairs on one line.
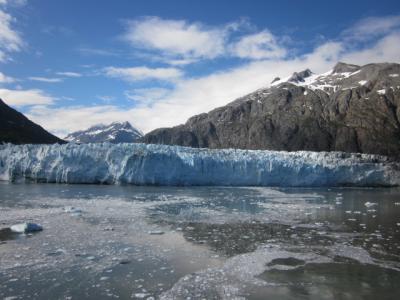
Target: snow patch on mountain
[[329, 82], [117, 132]]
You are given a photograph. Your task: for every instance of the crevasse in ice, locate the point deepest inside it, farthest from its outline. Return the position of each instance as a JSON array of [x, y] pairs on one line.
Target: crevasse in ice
[[173, 165]]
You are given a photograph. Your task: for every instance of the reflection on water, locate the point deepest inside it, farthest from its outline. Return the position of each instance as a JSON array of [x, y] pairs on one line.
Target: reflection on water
[[350, 280], [214, 243]]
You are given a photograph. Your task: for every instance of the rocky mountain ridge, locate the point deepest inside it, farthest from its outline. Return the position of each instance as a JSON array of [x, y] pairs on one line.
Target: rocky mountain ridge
[[15, 128], [116, 132], [350, 108]]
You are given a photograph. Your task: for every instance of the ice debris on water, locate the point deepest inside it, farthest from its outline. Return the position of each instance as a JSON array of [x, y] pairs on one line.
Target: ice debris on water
[[26, 228], [173, 165], [156, 232], [370, 204], [74, 211], [141, 295]]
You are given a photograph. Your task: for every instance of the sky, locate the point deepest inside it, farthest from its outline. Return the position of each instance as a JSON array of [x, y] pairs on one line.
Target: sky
[[70, 64]]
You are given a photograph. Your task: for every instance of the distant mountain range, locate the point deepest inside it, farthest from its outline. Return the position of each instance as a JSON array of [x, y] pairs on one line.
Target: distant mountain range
[[17, 129], [350, 108], [117, 132]]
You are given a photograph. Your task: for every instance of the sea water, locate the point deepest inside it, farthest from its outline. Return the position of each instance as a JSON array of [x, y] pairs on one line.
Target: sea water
[[129, 242]]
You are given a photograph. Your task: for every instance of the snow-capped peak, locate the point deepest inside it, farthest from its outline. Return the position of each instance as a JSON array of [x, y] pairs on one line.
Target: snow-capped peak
[[116, 132], [331, 81]]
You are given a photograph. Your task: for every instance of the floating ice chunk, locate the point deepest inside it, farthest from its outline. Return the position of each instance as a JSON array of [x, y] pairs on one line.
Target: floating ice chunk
[[393, 75], [156, 232], [75, 212], [26, 228], [71, 209], [141, 295], [381, 92], [124, 261], [362, 82], [370, 204], [57, 252]]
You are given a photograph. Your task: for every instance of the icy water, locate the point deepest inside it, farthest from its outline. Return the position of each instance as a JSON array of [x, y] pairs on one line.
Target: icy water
[[126, 242]]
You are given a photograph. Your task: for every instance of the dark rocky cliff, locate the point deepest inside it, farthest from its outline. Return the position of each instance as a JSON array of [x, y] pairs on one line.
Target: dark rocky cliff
[[17, 129], [351, 109]]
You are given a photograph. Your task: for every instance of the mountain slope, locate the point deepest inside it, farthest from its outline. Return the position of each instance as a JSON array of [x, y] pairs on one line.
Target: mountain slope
[[117, 132], [17, 129], [350, 108]]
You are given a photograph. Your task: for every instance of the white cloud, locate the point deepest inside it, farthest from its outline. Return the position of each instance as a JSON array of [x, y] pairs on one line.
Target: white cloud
[[261, 45], [385, 50], [143, 73], [6, 79], [45, 79], [79, 117], [25, 97], [329, 52], [147, 96], [197, 95], [69, 74], [178, 42], [13, 2], [105, 98], [189, 96], [176, 37], [179, 62], [10, 40], [369, 28]]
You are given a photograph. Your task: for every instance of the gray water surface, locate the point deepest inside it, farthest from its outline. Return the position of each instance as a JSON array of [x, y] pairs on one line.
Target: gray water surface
[[127, 242]]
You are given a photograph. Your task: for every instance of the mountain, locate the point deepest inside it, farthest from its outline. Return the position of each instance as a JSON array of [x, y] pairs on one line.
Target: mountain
[[17, 129], [350, 108], [117, 132]]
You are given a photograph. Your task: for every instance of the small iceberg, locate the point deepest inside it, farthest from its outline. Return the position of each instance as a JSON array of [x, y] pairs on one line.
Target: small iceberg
[[74, 211], [156, 232], [26, 228]]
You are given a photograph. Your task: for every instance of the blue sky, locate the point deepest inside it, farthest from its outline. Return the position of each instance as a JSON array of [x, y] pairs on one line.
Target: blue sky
[[72, 64]]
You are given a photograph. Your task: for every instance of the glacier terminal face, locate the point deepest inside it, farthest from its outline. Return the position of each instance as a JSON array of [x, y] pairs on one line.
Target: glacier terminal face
[[142, 164]]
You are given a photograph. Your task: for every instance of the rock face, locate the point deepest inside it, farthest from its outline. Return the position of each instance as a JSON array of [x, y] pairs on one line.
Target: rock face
[[17, 129], [117, 132], [351, 109]]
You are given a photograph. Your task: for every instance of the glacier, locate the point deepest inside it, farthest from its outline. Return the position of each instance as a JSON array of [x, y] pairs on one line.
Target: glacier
[[146, 164]]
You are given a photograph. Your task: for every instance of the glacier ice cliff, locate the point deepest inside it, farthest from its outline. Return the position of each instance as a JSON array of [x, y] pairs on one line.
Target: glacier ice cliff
[[173, 165]]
